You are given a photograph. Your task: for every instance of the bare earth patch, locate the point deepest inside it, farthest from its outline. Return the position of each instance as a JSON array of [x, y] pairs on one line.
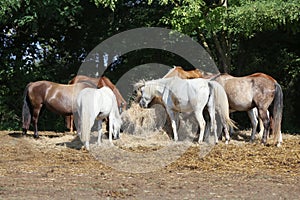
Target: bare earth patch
[[55, 167]]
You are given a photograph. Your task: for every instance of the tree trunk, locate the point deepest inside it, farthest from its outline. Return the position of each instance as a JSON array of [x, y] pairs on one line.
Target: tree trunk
[[223, 46]]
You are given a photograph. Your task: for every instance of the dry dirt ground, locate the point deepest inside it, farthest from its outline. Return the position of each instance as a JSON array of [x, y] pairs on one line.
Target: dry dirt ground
[[55, 167]]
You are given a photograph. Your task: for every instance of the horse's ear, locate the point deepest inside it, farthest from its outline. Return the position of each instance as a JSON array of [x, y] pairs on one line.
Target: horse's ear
[[138, 85]]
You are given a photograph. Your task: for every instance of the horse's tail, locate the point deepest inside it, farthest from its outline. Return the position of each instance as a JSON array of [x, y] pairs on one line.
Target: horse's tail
[[26, 110], [222, 104], [85, 122], [277, 111], [116, 111]]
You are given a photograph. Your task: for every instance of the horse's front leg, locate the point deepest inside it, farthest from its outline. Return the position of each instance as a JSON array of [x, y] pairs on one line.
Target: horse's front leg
[[87, 145], [173, 123], [99, 132], [78, 123], [71, 123], [110, 122]]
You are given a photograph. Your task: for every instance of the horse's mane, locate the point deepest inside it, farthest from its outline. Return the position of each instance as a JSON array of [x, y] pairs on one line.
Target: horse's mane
[[104, 81], [185, 74]]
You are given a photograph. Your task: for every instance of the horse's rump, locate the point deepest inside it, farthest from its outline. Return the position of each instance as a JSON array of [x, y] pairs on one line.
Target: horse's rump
[[96, 104]]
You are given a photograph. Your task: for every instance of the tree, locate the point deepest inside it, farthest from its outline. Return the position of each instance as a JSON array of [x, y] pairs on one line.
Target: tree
[[220, 28], [43, 40], [49, 39]]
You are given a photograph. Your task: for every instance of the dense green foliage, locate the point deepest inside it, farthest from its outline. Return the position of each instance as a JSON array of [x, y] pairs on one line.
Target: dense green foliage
[[49, 40]]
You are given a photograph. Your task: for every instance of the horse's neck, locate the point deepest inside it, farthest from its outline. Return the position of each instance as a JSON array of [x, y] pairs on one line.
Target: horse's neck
[[159, 90]]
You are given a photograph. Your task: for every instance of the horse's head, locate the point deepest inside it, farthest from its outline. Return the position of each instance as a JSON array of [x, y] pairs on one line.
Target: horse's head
[[137, 90], [146, 96]]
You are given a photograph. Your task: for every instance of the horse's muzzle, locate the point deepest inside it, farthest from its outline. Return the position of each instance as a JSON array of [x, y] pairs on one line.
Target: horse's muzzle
[[143, 104]]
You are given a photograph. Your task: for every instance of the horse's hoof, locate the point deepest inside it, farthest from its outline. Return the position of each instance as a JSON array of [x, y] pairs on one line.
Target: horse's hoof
[[278, 144], [99, 143], [85, 149], [227, 142], [36, 136], [263, 143], [24, 132], [201, 142]]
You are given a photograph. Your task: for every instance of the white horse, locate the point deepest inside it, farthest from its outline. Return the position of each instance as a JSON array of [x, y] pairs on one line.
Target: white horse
[[188, 95], [97, 104]]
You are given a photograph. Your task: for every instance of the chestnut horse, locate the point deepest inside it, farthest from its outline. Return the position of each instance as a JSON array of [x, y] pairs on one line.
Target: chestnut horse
[[255, 91], [180, 72], [58, 98], [100, 82]]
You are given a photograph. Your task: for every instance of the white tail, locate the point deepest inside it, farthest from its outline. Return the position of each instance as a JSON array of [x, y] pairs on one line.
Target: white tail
[[222, 104]]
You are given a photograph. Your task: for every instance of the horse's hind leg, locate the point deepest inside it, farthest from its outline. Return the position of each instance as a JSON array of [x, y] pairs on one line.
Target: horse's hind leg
[[201, 122], [77, 121], [173, 123], [99, 132], [263, 114], [253, 115], [110, 132], [261, 124], [35, 117], [227, 136]]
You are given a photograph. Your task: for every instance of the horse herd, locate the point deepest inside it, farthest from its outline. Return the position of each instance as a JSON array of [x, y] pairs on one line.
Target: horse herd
[[89, 99]]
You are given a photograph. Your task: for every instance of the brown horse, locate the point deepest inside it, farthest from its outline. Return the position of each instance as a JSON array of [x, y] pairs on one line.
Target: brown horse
[[58, 98], [256, 91], [100, 82]]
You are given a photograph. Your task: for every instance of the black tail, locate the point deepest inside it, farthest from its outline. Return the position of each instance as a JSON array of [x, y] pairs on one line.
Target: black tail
[[277, 111], [26, 111]]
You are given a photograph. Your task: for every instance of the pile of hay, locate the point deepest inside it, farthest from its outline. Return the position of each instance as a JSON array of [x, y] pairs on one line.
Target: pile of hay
[[144, 122], [140, 121]]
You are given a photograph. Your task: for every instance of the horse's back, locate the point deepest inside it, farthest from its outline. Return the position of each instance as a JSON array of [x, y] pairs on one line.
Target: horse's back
[[190, 90], [97, 102], [104, 81], [90, 95], [82, 78], [262, 75], [247, 91]]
